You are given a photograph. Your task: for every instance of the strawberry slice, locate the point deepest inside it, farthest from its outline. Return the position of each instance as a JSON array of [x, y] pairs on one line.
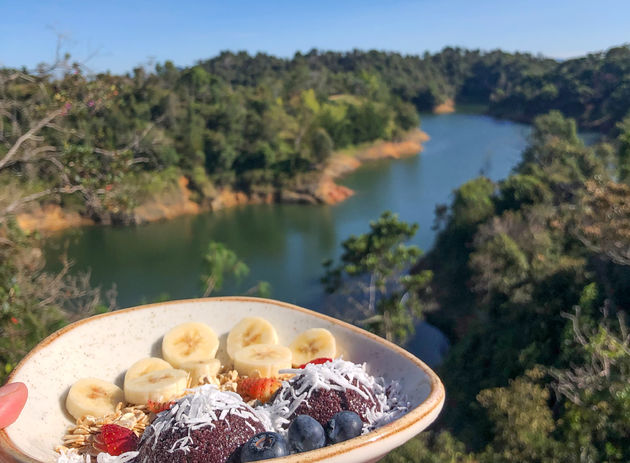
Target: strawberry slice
[[115, 440], [157, 407], [258, 388], [317, 361]]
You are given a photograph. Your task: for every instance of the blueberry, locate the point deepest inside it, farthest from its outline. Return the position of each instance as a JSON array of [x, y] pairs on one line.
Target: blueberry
[[264, 445], [343, 426], [305, 433]]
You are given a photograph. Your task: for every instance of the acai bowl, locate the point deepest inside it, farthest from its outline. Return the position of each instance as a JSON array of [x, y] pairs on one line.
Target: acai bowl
[[106, 345]]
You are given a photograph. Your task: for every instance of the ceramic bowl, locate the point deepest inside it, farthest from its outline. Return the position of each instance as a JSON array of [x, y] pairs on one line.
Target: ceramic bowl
[[105, 345]]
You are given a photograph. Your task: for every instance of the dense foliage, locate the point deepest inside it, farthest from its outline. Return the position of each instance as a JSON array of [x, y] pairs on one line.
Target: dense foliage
[[260, 123], [531, 277], [128, 136], [594, 89]]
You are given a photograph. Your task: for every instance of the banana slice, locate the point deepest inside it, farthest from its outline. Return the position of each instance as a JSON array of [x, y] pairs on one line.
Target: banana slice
[[92, 396], [189, 342], [158, 386], [144, 366], [262, 360], [250, 330], [201, 371], [312, 344]]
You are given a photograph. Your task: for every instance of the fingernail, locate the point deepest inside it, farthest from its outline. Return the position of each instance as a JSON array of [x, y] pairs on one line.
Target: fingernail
[[9, 389]]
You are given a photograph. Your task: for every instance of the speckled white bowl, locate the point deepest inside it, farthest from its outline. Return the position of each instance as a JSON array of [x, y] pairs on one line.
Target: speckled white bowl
[[105, 345]]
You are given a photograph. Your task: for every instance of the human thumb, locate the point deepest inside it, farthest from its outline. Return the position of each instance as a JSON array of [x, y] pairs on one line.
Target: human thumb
[[12, 399]]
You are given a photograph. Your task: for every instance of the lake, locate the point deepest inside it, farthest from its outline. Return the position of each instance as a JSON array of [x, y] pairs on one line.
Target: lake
[[285, 244]]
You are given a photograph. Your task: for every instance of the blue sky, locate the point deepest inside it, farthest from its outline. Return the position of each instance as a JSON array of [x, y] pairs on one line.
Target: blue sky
[[119, 35]]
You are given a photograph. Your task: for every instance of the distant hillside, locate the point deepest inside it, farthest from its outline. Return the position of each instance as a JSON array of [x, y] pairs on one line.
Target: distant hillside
[[594, 89]]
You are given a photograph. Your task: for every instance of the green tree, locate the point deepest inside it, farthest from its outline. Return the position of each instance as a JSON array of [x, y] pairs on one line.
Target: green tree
[[220, 264], [321, 145], [522, 422], [473, 203], [373, 274], [521, 190], [595, 389], [603, 220], [406, 115], [552, 126]]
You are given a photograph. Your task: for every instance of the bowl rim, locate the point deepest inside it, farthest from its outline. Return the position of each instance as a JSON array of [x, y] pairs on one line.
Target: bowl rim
[[431, 405]]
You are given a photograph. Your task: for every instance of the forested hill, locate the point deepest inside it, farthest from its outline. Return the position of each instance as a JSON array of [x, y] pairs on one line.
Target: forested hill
[[594, 89], [116, 140], [531, 279], [260, 124]]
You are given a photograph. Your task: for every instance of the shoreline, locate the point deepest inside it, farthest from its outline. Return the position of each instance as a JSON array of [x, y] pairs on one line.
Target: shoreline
[[446, 107], [49, 218]]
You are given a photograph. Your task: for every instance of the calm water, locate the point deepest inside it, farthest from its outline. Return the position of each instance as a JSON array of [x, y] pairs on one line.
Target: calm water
[[285, 244]]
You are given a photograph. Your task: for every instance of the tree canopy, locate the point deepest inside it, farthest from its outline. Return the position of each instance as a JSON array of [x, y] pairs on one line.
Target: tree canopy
[[531, 275]]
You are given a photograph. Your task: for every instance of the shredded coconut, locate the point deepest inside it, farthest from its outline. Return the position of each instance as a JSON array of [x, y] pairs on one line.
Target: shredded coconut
[[337, 375], [122, 458], [72, 456], [203, 407]]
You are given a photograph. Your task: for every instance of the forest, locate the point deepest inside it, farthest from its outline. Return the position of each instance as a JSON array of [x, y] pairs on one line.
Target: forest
[[528, 276], [261, 124]]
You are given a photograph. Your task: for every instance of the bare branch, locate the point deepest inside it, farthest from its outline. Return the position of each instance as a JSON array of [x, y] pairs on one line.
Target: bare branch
[[602, 347], [6, 242], [20, 202], [31, 132], [142, 160], [33, 154], [58, 128], [134, 144], [108, 153]]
